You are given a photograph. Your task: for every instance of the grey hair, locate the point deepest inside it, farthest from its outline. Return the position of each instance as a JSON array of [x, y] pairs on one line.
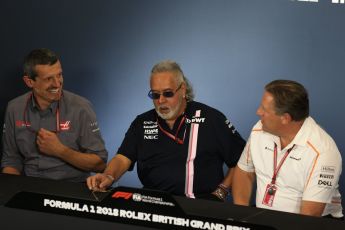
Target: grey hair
[[40, 56], [171, 66]]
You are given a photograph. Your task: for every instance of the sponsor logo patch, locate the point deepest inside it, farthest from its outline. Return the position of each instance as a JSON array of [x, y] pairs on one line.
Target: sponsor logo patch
[[196, 120], [295, 158], [324, 183], [20, 123], [328, 169], [230, 126], [66, 125], [150, 130], [268, 148], [326, 176]]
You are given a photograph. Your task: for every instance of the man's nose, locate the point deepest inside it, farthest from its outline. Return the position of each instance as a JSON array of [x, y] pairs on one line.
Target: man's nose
[[161, 99], [259, 112], [57, 81]]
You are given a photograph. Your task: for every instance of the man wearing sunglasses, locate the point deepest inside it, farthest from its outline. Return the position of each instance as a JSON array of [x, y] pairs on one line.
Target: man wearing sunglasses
[[180, 146], [49, 132]]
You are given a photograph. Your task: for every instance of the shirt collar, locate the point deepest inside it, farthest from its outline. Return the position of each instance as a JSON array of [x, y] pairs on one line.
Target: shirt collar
[[301, 137], [303, 134], [163, 123], [52, 107]]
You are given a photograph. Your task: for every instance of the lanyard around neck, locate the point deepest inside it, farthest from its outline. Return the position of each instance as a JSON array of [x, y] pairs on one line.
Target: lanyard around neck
[[175, 138], [275, 168]]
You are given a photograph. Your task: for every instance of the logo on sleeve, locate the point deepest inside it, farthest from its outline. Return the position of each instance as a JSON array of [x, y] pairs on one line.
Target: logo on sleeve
[[326, 177], [94, 126], [328, 169], [230, 126], [324, 183]]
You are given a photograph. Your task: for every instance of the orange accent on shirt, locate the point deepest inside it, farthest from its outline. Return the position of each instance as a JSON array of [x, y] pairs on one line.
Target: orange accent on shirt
[[317, 156]]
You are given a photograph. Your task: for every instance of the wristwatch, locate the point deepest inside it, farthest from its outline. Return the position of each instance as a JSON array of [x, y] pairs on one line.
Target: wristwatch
[[222, 192]]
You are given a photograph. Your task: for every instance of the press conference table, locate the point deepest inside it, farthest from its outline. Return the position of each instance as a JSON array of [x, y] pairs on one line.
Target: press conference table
[[17, 218]]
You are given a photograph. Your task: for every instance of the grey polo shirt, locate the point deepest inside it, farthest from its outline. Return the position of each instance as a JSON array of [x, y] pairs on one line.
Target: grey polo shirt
[[78, 129]]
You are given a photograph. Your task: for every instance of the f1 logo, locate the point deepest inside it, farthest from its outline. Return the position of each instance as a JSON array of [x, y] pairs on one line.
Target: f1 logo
[[124, 195]]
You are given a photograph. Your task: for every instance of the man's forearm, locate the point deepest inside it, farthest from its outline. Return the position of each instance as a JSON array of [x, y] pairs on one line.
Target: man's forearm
[[242, 186], [85, 161], [312, 208], [229, 178], [10, 170], [117, 166]]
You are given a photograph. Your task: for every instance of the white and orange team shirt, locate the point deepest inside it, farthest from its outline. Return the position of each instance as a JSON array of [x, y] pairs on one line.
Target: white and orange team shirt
[[310, 172]]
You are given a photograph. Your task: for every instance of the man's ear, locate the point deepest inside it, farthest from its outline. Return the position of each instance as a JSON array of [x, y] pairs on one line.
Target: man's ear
[[286, 118], [28, 81], [184, 89]]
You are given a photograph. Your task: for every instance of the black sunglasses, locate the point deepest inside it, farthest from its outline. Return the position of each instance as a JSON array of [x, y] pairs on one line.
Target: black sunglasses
[[155, 95]]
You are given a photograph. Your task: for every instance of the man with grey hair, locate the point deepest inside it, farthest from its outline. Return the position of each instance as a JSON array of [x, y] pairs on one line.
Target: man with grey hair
[[50, 132], [180, 146]]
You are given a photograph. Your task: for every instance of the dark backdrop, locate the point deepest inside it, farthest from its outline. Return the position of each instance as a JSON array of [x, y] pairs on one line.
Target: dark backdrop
[[229, 49]]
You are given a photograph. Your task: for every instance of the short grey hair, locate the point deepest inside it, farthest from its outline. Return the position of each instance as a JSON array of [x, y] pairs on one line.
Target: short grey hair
[[41, 56], [172, 66]]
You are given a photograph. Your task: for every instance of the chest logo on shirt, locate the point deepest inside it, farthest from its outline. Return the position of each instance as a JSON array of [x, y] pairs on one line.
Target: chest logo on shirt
[[23, 123], [295, 158], [66, 125], [197, 120], [269, 148], [150, 130]]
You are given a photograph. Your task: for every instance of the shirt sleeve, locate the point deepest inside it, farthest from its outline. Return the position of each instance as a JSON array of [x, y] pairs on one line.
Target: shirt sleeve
[[91, 140], [129, 144], [231, 143], [245, 163], [323, 176], [10, 153]]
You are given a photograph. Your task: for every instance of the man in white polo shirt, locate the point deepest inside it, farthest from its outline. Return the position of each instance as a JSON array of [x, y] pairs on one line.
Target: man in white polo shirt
[[295, 162]]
